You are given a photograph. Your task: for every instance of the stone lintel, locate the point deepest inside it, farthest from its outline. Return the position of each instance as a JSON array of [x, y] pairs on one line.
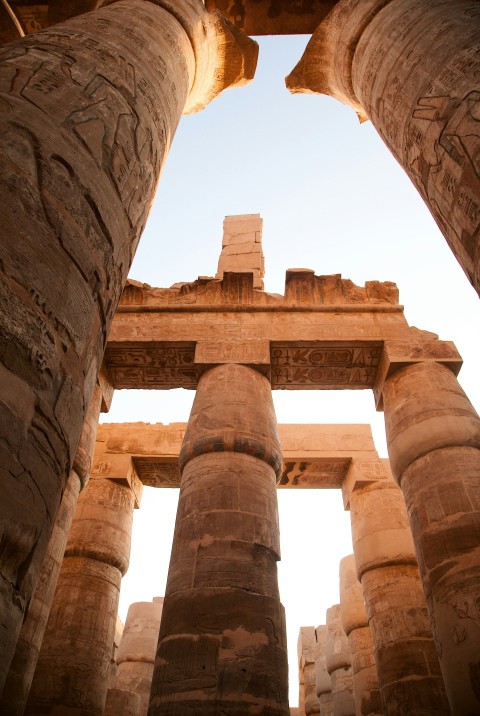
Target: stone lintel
[[118, 467], [315, 456], [363, 472], [273, 17], [399, 354]]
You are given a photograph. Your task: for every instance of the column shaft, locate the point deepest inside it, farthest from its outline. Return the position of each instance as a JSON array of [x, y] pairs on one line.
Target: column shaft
[[366, 689], [323, 682], [88, 110], [74, 662], [411, 66], [339, 664], [138, 647], [407, 664], [22, 668], [222, 645], [433, 436]]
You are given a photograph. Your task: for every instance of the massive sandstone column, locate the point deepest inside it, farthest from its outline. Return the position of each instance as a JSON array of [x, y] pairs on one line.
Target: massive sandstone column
[[88, 110], [323, 681], [407, 664], [222, 645], [339, 664], [366, 690], [433, 436], [412, 66], [307, 649], [122, 703], [74, 662], [137, 650], [22, 668]]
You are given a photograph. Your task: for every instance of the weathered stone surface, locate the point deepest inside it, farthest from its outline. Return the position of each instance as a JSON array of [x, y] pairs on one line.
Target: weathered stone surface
[[407, 665], [373, 56], [308, 649], [122, 703], [274, 17], [323, 682], [325, 333], [74, 662], [222, 639], [138, 647], [315, 456], [326, 704], [366, 690], [338, 663], [22, 668], [75, 196], [242, 247], [433, 434]]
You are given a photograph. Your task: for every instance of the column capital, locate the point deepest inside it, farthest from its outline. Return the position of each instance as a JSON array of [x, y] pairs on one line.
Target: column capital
[[362, 473], [326, 64], [224, 56], [244, 396], [400, 354], [120, 469]]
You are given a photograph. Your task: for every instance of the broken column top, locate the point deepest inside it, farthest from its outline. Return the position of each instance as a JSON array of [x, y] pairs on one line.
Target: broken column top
[[242, 247]]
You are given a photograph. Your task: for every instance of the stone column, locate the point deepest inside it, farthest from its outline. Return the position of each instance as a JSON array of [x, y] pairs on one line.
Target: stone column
[[88, 110], [323, 682], [411, 66], [22, 668], [366, 690], [433, 436], [407, 664], [307, 652], [74, 662], [339, 664], [122, 703], [136, 654], [222, 644]]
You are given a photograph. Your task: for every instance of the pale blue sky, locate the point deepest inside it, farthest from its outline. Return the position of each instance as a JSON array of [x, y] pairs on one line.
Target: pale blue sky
[[333, 199]]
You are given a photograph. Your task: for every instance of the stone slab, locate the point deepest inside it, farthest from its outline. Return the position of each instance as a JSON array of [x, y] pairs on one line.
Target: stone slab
[[315, 456]]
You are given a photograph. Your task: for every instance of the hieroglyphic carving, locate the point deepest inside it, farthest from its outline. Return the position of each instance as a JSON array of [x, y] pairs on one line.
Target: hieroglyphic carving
[[32, 17], [158, 367], [275, 17], [157, 472], [323, 366], [314, 473]]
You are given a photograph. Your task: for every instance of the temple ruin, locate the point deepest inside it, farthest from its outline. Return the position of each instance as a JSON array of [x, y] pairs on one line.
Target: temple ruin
[[91, 94]]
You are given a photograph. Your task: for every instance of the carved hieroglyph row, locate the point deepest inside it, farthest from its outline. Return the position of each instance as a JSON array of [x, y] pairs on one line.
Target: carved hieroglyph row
[[316, 366], [157, 367]]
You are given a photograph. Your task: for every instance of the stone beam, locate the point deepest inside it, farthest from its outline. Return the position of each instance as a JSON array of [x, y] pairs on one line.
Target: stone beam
[[324, 333], [315, 456], [253, 17], [274, 17]]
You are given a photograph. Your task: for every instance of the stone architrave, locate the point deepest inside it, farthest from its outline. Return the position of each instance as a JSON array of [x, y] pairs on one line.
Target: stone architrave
[[411, 66], [22, 667], [74, 664], [75, 197], [433, 437], [222, 645], [407, 663], [339, 664], [366, 690], [137, 650]]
